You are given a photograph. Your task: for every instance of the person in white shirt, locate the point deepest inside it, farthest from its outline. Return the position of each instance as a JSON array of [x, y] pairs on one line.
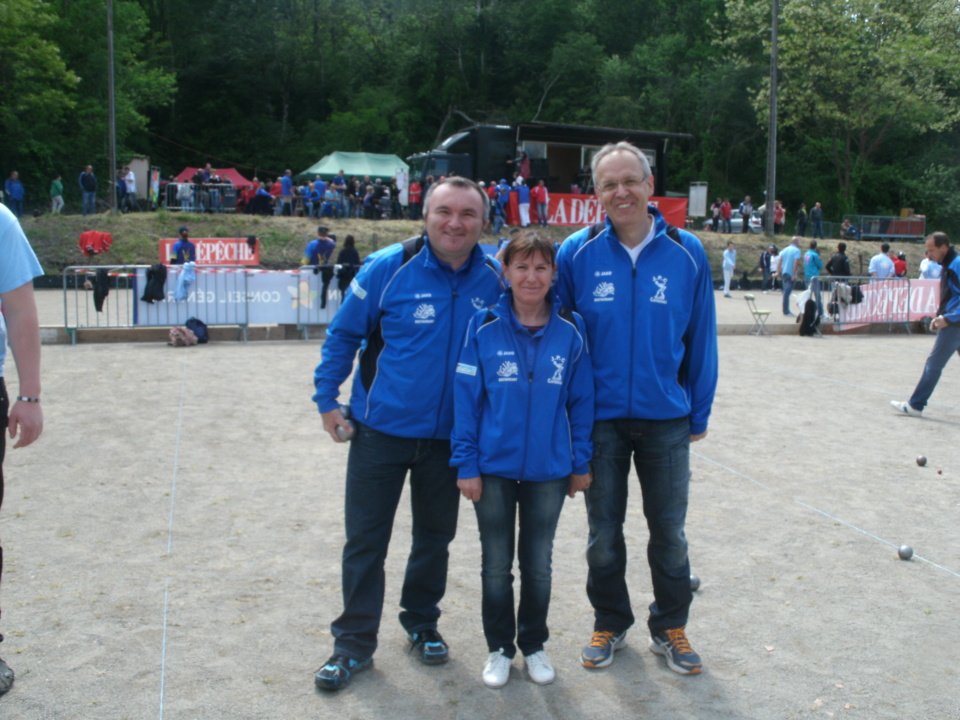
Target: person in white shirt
[[729, 267], [881, 266], [929, 269]]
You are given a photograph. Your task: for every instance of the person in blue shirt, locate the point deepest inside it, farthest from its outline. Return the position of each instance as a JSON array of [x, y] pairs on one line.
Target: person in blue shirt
[[406, 312], [183, 251], [645, 291], [23, 421], [789, 259], [812, 267], [13, 189], [318, 253], [523, 413]]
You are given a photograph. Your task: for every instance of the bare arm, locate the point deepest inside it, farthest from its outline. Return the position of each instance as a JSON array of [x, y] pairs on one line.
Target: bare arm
[[23, 330]]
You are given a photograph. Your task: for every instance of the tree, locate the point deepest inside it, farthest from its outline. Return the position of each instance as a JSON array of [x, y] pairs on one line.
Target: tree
[[854, 71], [37, 90]]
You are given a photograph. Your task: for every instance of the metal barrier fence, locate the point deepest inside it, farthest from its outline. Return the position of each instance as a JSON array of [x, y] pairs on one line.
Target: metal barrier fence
[[115, 296], [110, 297], [193, 197], [884, 227], [851, 302]]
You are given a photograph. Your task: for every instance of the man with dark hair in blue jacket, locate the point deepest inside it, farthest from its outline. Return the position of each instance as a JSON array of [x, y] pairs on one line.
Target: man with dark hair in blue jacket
[[946, 324], [645, 293], [407, 312]]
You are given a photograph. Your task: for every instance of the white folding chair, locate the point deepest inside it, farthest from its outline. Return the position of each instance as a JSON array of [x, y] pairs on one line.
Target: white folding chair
[[759, 316]]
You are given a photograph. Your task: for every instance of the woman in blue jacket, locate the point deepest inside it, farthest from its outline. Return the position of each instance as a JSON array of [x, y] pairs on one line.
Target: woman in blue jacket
[[523, 413]]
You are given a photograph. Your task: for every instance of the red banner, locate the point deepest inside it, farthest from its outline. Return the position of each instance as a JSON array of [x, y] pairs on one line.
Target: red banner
[[586, 210], [892, 300], [216, 251]]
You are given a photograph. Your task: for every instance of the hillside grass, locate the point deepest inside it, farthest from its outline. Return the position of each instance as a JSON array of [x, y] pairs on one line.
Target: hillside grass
[[136, 236]]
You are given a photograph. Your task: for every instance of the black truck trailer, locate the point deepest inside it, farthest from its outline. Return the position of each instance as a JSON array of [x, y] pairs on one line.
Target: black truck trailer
[[560, 154]]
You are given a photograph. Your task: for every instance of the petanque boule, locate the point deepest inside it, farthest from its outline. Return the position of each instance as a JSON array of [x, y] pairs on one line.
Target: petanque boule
[[921, 460], [694, 583], [905, 552]]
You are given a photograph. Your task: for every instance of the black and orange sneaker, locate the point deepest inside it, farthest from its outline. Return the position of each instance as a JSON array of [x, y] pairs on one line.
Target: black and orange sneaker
[[599, 653], [675, 647]]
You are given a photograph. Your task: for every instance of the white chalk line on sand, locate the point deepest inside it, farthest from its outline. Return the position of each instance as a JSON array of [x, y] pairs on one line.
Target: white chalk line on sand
[[823, 512], [173, 498]]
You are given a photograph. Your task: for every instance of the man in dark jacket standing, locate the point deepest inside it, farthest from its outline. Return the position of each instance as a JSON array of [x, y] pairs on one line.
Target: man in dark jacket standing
[[839, 265], [88, 186]]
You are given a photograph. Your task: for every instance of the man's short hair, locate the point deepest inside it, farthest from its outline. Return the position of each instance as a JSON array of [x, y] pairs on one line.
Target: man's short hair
[[456, 181], [885, 248], [842, 247], [939, 238], [621, 146], [813, 244], [322, 230]]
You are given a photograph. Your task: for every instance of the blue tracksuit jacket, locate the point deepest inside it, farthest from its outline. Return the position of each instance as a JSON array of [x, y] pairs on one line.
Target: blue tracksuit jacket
[[523, 402], [407, 320], [652, 328]]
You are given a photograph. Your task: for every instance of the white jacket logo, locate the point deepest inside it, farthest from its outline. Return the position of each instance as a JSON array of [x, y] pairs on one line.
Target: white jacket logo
[[661, 283], [558, 363], [424, 313], [478, 303], [508, 371], [604, 292]]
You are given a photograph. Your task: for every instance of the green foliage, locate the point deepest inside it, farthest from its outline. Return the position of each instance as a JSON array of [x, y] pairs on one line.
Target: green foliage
[[865, 87]]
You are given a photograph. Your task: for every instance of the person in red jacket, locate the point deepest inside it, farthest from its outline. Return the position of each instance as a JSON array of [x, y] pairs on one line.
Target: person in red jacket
[[541, 200]]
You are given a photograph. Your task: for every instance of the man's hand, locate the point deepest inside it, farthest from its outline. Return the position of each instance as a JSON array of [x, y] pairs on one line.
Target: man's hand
[[579, 483], [333, 419], [701, 436], [27, 419], [938, 322], [471, 488]]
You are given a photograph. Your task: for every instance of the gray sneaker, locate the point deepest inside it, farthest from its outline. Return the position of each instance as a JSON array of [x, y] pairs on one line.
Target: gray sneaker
[[905, 407], [6, 677], [599, 653]]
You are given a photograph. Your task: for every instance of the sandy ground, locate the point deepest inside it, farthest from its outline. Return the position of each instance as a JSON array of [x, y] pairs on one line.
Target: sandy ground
[[172, 549]]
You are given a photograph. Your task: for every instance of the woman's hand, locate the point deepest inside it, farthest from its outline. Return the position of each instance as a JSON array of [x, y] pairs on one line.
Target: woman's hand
[[579, 483], [470, 488]]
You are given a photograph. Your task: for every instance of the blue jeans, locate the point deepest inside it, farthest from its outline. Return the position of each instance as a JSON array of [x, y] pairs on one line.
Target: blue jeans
[[661, 454], [89, 202], [497, 224], [815, 293], [787, 281], [946, 344], [376, 471], [539, 504], [818, 229]]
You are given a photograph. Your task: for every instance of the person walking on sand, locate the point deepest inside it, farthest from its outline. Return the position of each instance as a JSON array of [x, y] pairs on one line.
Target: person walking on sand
[[946, 324]]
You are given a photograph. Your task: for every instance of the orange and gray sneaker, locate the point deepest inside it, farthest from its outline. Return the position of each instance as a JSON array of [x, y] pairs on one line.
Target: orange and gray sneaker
[[675, 647], [599, 653]]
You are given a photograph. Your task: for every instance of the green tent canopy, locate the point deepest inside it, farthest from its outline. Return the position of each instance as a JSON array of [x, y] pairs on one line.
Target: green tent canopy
[[355, 163]]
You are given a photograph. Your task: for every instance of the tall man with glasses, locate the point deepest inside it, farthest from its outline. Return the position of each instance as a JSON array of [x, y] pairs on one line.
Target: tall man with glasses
[[407, 313], [645, 292]]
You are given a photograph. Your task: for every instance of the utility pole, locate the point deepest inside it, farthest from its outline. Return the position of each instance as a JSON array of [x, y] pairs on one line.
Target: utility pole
[[772, 129], [112, 110]]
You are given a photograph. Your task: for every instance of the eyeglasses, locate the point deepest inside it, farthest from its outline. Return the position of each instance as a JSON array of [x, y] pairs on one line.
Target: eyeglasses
[[630, 184]]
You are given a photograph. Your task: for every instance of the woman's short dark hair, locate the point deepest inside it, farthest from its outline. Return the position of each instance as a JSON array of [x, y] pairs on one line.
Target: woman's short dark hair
[[348, 241], [527, 244]]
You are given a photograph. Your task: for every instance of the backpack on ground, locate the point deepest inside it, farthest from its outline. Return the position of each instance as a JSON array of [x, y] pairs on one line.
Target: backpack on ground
[[199, 330]]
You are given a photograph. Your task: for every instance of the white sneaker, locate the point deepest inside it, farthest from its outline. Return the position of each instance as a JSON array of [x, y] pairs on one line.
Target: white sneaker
[[539, 668], [906, 408], [496, 671]]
